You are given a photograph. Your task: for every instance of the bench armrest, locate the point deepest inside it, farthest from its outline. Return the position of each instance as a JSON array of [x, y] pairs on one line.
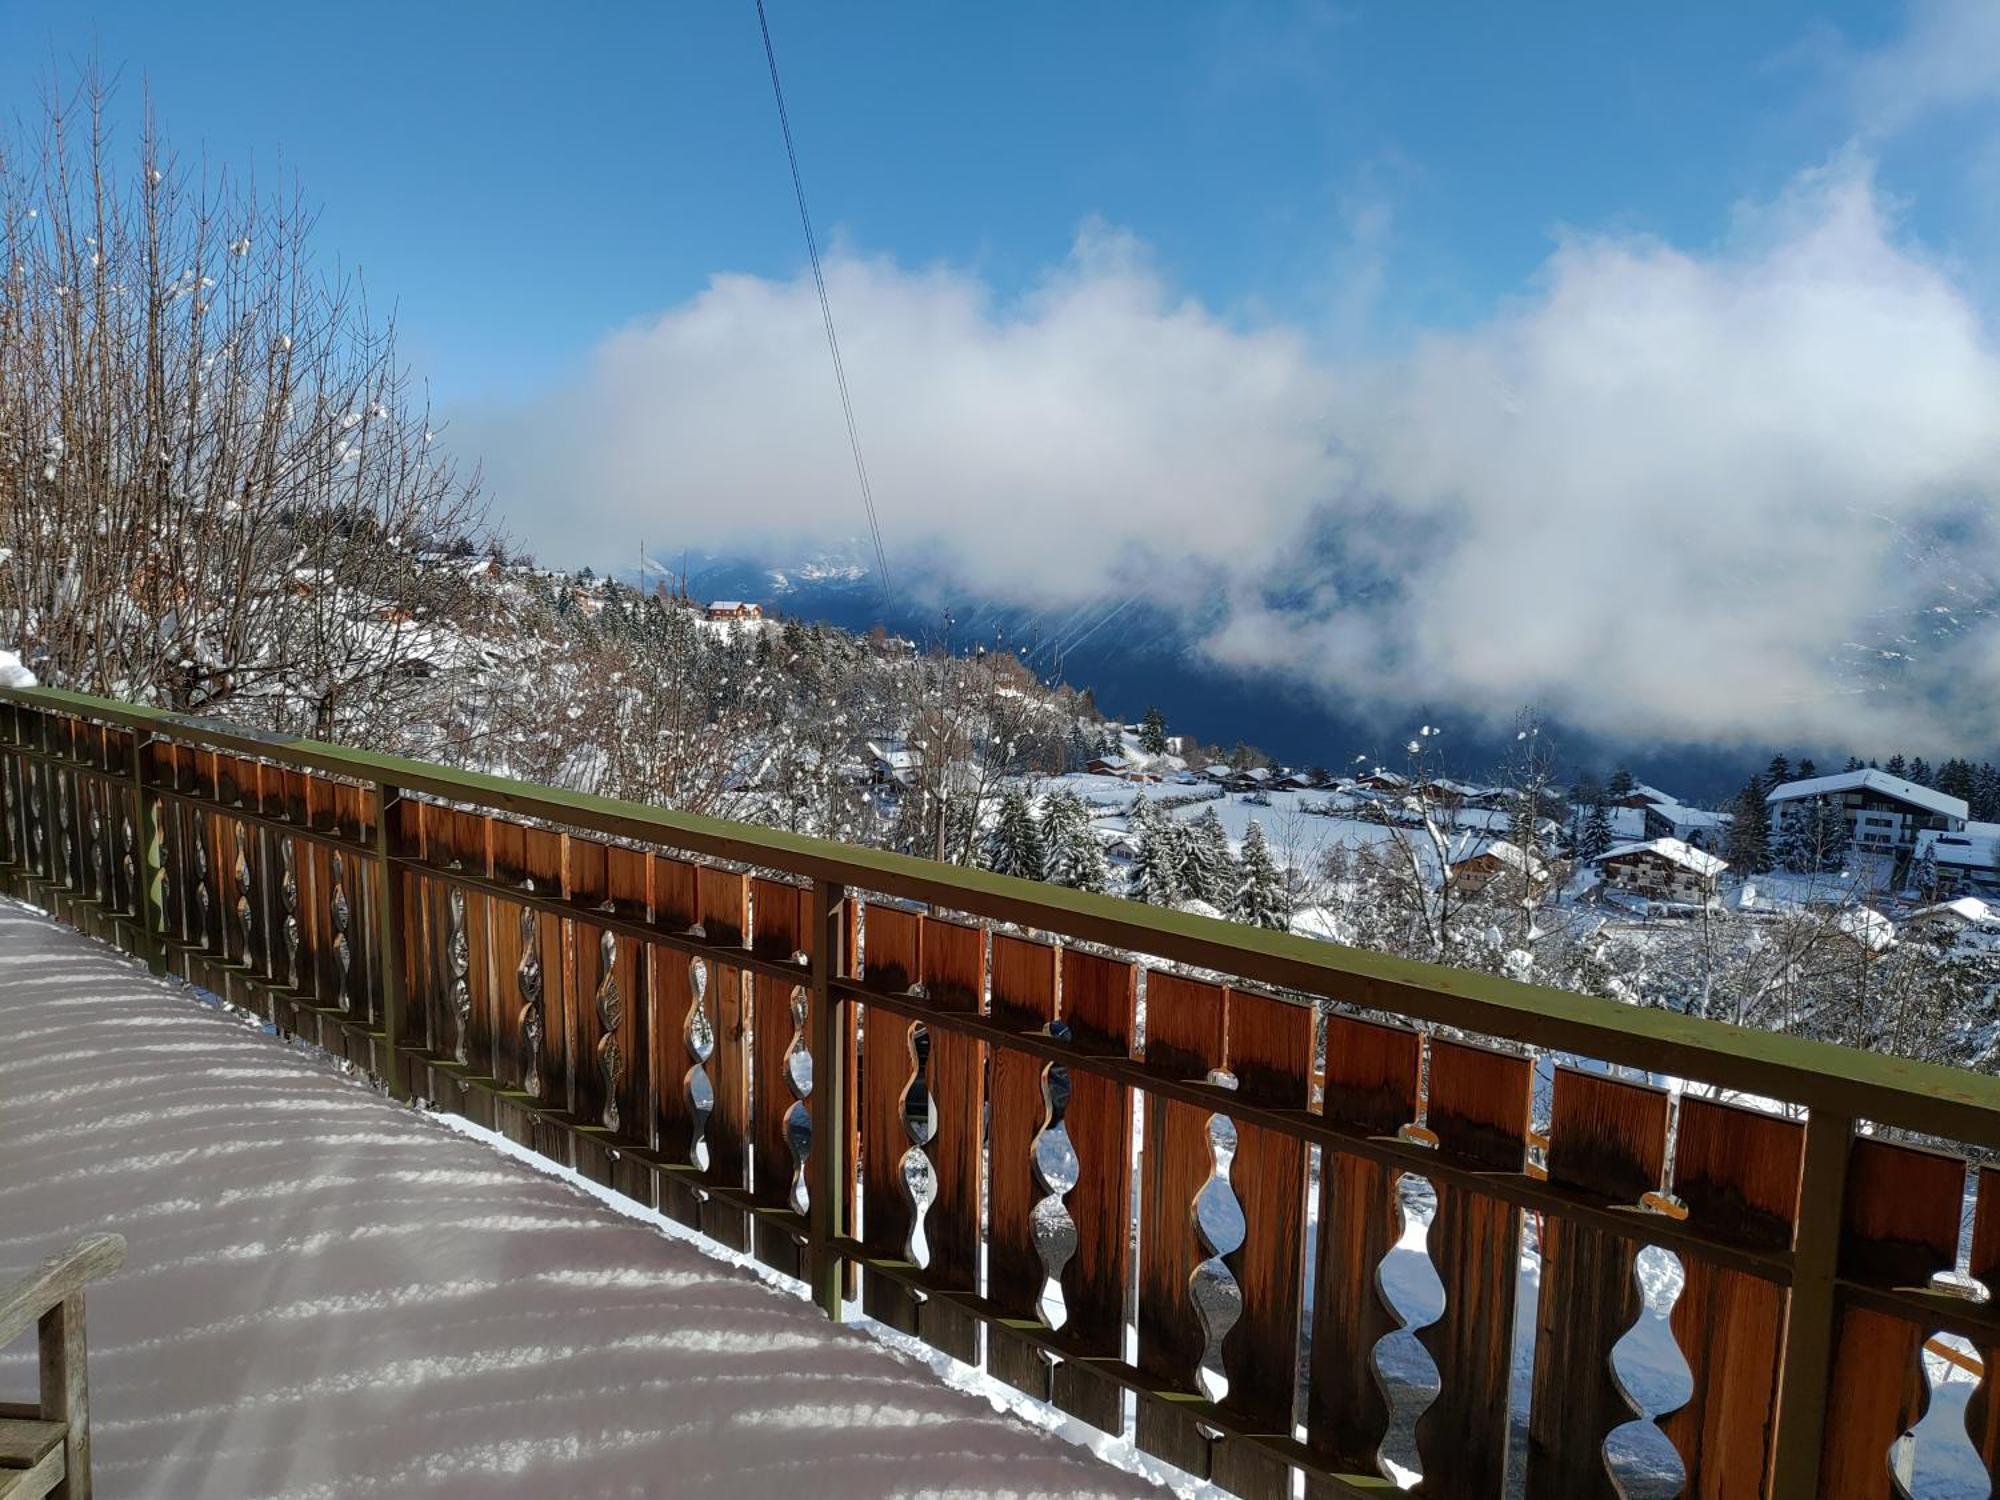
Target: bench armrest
[[56, 1280]]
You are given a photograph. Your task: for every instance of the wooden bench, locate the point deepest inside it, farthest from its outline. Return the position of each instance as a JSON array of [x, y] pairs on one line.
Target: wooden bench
[[45, 1447]]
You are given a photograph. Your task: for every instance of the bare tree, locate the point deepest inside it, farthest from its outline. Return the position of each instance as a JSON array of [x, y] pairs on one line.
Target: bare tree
[[216, 480]]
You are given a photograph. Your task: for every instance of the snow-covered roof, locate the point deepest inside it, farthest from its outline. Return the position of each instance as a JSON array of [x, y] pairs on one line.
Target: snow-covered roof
[[1975, 846], [1967, 909], [1674, 851], [1866, 926], [1682, 816], [1871, 780], [1510, 855]]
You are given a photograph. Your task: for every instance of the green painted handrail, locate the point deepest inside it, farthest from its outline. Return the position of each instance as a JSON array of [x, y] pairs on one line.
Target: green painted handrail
[[1956, 1103]]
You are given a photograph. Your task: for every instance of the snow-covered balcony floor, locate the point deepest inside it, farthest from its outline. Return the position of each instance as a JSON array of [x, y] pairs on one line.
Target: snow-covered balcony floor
[[329, 1295]]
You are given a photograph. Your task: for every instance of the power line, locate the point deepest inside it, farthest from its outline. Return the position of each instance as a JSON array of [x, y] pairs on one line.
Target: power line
[[825, 307]]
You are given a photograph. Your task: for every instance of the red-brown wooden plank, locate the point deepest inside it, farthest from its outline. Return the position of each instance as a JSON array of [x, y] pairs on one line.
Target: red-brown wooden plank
[[954, 977], [778, 931], [1270, 1052], [1982, 1410], [1608, 1138], [1738, 1172], [1371, 1082], [1023, 999], [1477, 1106], [674, 978], [724, 920], [1901, 1222], [892, 959], [1100, 1006], [1186, 1021]]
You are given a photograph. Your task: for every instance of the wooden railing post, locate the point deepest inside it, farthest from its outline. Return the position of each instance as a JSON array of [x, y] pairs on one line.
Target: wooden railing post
[[152, 911], [1813, 1305], [389, 930], [828, 1192]]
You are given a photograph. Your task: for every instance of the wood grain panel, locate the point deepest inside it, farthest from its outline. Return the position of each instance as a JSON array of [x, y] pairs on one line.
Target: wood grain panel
[[778, 931], [892, 959], [1900, 1228], [1608, 1138], [1477, 1106], [1982, 1411], [1270, 1052], [954, 978], [1100, 1006], [1371, 1083], [1023, 999], [724, 918], [1738, 1172], [1186, 1022]]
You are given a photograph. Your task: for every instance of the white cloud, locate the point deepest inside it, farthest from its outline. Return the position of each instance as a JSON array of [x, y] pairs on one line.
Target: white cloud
[[1658, 494], [1947, 57]]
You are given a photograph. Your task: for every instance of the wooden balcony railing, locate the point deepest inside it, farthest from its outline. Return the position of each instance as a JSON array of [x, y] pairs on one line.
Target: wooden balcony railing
[[863, 1068]]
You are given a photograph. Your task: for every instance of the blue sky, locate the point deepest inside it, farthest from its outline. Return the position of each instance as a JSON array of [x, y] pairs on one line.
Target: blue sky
[[1629, 360], [520, 180]]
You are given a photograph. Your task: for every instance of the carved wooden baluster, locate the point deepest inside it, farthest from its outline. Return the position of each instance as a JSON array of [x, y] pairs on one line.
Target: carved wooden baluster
[[288, 889], [682, 1093], [1100, 1003], [610, 1002], [530, 1021], [1185, 1021], [1982, 1411], [1024, 999], [340, 913], [1738, 1172], [1901, 1226], [1477, 1107], [954, 970], [893, 960], [780, 1125], [723, 899], [1607, 1138], [1271, 1056], [1371, 1083], [458, 961]]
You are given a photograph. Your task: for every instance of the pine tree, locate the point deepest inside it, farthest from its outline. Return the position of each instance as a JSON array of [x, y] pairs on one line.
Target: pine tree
[[1807, 770], [1208, 870], [1595, 836], [1750, 830], [1827, 833], [1015, 846], [1920, 772], [1897, 766], [1074, 856], [1156, 874], [1621, 784], [1924, 874], [1076, 749], [1261, 900], [1153, 731], [1853, 763], [1777, 773]]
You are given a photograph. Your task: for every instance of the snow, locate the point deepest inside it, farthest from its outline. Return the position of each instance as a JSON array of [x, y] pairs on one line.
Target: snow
[[13, 674], [1879, 782], [1674, 852], [1867, 927]]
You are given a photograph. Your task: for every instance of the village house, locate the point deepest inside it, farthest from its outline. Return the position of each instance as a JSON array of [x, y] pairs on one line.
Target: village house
[[1663, 870], [733, 609], [1951, 921], [1962, 860], [1497, 860], [892, 763], [1884, 814], [1697, 826]]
